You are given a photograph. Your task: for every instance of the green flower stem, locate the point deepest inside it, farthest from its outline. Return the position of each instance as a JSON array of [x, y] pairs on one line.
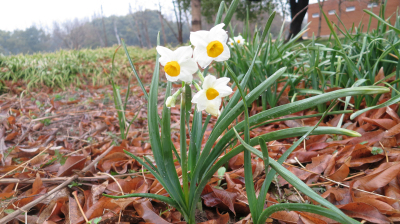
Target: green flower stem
[[197, 86], [184, 159], [200, 76], [176, 94]]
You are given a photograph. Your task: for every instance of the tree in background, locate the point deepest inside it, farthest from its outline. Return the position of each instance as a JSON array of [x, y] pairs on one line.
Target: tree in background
[[138, 32], [196, 15], [85, 33], [180, 9], [320, 16], [256, 8], [162, 23], [30, 40], [298, 9], [104, 29]]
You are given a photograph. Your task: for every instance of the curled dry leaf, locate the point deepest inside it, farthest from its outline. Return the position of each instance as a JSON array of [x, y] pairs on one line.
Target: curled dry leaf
[[72, 163], [379, 177], [145, 210], [363, 211]]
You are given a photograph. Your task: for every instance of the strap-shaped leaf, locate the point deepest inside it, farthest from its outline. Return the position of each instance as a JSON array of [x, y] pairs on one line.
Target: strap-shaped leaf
[[304, 208], [385, 104], [279, 112], [296, 182], [280, 134]]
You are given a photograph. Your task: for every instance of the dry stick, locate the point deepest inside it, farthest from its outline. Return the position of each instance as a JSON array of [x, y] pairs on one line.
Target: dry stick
[[344, 185], [387, 158], [61, 186], [86, 147], [79, 206], [330, 183], [122, 192], [22, 164], [62, 179]]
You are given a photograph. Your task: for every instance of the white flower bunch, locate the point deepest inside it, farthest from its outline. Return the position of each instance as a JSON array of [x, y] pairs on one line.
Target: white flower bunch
[[239, 40], [179, 65]]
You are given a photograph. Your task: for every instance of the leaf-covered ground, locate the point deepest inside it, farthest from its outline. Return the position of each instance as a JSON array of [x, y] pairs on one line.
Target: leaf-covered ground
[[49, 138]]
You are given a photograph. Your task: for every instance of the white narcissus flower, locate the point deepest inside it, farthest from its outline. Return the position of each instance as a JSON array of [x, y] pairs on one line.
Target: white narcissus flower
[[209, 98], [178, 64], [231, 42], [210, 45], [239, 40]]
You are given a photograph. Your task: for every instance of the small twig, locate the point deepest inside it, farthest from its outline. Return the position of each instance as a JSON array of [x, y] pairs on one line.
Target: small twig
[[79, 206], [122, 192], [86, 147], [57, 189], [62, 179], [302, 199], [27, 162], [344, 185], [328, 182], [387, 158]]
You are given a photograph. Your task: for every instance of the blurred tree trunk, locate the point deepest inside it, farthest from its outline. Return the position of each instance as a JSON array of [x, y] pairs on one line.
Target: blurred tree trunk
[[320, 16], [138, 33], [116, 32], [104, 27], [196, 15], [146, 31], [340, 14], [179, 23], [162, 24], [297, 11]]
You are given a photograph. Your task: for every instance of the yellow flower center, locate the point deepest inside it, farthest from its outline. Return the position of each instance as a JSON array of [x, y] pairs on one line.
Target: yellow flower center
[[238, 41], [172, 68], [214, 49], [211, 93]]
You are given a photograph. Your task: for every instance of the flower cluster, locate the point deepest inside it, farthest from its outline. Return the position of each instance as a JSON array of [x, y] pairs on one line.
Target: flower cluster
[[239, 40], [181, 64]]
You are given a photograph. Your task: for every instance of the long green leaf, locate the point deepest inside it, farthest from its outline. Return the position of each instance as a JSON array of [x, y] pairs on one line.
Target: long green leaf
[[134, 70], [155, 140], [272, 136], [382, 21], [393, 100], [231, 11], [278, 112], [301, 207], [296, 182]]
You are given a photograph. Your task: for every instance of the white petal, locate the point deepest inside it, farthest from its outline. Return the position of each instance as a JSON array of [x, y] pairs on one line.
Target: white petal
[[199, 38], [219, 35], [185, 76], [209, 82], [221, 86], [183, 53], [218, 27], [172, 78], [225, 55], [189, 65], [221, 82], [201, 57], [200, 100], [224, 91], [166, 55], [213, 106]]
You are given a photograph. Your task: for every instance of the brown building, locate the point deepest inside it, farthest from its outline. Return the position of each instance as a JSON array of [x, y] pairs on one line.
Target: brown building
[[351, 13]]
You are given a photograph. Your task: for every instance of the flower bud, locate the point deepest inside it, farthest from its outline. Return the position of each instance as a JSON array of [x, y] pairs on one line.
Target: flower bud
[[170, 101]]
